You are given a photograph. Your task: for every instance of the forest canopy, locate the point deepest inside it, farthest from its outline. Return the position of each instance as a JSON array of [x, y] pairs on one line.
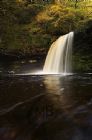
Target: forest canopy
[[28, 26]]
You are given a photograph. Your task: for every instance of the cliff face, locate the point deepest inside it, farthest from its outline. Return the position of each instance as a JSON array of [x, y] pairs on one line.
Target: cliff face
[[82, 52]]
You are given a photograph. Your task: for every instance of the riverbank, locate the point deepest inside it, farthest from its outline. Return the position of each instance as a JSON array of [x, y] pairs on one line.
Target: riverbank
[[13, 56]]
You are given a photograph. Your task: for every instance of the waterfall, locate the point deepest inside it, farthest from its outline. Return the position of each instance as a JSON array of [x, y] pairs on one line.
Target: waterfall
[[59, 57]]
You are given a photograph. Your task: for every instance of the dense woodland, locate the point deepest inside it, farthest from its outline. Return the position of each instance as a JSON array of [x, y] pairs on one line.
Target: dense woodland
[[28, 27]]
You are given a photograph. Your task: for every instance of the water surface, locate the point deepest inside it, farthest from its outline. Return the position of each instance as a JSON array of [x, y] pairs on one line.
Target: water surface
[[44, 107]]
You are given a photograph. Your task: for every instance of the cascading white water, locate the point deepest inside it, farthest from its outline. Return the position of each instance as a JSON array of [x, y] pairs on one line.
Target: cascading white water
[[59, 57]]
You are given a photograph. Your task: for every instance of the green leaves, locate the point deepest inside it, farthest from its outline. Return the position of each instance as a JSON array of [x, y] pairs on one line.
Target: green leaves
[[25, 25]]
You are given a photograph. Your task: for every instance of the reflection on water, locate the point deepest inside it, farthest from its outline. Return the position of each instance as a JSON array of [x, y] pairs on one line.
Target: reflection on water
[[53, 84], [46, 107], [59, 92]]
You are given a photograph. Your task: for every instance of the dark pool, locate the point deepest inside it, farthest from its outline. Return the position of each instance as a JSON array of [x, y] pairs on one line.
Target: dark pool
[[44, 107]]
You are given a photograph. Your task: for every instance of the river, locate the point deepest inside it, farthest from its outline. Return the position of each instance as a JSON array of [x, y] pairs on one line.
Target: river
[[44, 107]]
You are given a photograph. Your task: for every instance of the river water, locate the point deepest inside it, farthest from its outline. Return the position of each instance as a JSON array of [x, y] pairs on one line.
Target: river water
[[44, 107]]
